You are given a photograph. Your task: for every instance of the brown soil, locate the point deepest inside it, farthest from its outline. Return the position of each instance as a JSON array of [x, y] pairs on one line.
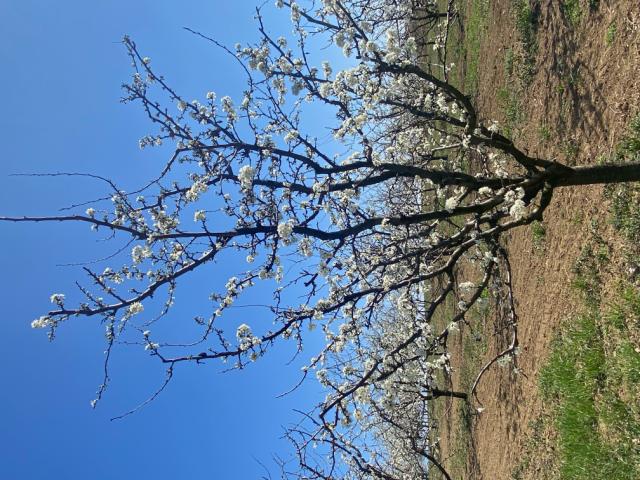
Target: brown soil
[[586, 92]]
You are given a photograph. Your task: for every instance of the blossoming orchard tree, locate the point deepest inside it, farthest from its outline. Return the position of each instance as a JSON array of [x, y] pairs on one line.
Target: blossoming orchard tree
[[371, 227]]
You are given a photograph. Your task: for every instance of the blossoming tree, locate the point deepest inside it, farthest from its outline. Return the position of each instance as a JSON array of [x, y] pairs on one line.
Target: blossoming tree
[[371, 228]]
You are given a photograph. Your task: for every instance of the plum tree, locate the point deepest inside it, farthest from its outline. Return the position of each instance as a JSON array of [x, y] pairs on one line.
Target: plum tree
[[372, 227]]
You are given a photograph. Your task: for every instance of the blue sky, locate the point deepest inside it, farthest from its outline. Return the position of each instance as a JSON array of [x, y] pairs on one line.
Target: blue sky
[[62, 69]]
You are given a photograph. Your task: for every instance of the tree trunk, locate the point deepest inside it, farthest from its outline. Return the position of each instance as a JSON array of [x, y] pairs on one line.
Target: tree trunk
[[597, 174], [435, 393]]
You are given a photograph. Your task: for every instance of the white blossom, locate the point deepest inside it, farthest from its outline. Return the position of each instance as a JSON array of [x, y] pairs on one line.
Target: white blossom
[[295, 12], [518, 209], [57, 299], [285, 229], [245, 175], [243, 331], [199, 187], [199, 216], [135, 308], [42, 322], [306, 247], [451, 203], [139, 253]]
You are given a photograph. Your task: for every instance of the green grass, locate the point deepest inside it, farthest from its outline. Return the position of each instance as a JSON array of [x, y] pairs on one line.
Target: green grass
[[526, 25], [538, 452], [610, 36], [570, 379], [509, 62], [625, 198], [629, 146], [589, 267], [544, 133], [570, 150], [625, 210], [590, 383], [592, 380], [572, 12], [509, 102], [438, 407], [475, 20], [474, 347], [539, 233], [519, 65]]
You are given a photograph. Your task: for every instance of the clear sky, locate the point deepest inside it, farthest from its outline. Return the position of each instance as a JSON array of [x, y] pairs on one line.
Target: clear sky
[[62, 66]]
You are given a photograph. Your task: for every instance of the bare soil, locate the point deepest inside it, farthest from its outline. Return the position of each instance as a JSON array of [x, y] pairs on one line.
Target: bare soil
[[584, 91]]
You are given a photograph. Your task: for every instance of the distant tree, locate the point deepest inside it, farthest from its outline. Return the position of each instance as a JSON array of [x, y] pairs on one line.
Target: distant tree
[[372, 227]]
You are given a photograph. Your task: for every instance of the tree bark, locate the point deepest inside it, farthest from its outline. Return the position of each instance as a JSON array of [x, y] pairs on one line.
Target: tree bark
[[599, 174], [435, 393]]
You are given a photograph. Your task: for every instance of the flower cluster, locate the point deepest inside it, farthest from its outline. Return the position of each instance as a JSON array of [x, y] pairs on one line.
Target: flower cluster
[[245, 175]]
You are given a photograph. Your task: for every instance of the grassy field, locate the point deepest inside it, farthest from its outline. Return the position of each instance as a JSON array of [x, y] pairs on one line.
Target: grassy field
[[592, 383]]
